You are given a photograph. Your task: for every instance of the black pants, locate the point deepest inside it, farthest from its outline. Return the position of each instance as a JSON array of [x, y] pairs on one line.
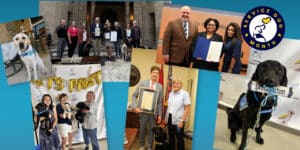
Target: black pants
[[213, 66], [82, 51], [177, 64], [72, 46], [174, 131], [136, 43]]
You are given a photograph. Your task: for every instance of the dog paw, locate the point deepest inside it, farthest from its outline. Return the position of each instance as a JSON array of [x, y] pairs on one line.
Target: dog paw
[[260, 140], [232, 138]]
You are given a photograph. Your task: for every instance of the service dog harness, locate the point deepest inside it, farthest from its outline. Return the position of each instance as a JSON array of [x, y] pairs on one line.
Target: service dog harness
[[271, 93]]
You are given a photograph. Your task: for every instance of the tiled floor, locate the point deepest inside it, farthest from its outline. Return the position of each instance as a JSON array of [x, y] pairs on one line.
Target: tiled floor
[[275, 139], [135, 145]]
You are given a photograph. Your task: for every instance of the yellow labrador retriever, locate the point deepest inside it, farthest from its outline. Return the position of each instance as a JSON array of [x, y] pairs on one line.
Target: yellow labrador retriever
[[28, 55]]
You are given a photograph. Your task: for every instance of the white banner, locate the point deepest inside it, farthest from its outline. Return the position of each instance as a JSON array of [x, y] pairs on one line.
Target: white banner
[[75, 81]]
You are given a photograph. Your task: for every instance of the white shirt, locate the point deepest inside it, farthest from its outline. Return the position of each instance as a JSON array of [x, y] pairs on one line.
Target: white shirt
[[90, 118], [177, 101], [128, 32], [84, 36], [97, 30], [154, 85]]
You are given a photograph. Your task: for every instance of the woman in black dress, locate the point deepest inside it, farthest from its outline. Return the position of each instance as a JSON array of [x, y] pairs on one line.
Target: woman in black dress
[[211, 25]]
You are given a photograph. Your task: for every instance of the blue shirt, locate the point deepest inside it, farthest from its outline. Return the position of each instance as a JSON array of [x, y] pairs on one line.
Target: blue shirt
[[177, 101]]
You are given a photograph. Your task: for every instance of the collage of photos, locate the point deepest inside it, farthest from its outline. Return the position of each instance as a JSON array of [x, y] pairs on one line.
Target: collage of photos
[[77, 48], [160, 49]]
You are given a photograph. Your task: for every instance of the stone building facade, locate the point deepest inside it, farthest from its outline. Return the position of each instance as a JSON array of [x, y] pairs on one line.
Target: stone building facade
[[147, 15]]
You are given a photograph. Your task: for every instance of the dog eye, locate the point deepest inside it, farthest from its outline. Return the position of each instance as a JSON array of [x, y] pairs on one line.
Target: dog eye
[[278, 72], [23, 37], [17, 39], [262, 69]]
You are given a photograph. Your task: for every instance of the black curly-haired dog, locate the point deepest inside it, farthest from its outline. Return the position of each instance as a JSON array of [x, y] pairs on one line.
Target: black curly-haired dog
[[43, 117], [79, 113], [271, 74], [160, 136]]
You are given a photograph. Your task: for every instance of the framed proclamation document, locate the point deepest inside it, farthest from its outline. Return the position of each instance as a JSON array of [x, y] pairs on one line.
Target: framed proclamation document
[[208, 50], [147, 99]]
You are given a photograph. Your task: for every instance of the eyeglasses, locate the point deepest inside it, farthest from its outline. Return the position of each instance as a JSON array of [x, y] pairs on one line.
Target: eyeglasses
[[185, 12], [212, 25]]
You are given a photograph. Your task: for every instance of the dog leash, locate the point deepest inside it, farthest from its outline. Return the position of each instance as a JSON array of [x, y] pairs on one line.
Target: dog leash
[[271, 93]]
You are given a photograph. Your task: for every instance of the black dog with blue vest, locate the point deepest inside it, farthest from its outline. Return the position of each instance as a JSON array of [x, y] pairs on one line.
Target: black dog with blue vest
[[254, 108]]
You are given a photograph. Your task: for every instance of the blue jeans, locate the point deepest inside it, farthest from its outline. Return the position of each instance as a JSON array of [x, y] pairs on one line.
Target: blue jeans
[[118, 47], [62, 43], [90, 135]]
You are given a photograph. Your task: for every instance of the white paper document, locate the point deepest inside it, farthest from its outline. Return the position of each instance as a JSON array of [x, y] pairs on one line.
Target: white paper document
[[113, 36], [214, 51]]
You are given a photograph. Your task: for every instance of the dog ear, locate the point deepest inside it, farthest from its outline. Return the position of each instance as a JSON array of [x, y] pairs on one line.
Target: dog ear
[[255, 74], [284, 79]]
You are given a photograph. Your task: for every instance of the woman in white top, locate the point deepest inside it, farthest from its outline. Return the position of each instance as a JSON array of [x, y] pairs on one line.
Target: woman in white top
[[83, 41]]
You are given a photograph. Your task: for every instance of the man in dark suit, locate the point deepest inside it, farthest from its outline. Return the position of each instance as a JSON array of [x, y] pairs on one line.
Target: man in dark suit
[[148, 118], [136, 35], [178, 38], [96, 32], [61, 33]]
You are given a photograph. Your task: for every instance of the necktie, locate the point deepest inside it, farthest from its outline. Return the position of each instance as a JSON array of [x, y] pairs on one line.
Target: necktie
[[185, 29]]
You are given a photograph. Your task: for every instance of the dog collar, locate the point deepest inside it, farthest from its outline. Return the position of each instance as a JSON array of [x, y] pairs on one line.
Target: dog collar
[[29, 52], [41, 112]]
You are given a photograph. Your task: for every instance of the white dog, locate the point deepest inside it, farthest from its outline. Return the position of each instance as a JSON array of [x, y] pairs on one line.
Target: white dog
[[28, 55], [124, 49]]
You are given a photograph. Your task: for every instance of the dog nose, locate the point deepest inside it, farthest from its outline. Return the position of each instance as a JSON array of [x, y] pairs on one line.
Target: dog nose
[[21, 45], [269, 81]]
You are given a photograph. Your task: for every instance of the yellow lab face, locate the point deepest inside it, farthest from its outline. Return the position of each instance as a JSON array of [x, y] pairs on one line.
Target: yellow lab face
[[21, 41]]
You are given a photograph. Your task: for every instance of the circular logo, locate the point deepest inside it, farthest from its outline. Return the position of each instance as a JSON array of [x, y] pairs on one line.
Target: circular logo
[[263, 28]]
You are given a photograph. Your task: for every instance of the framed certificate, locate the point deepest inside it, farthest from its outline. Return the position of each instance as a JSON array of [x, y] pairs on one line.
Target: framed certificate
[[107, 35], [208, 50], [97, 31], [113, 36], [147, 99]]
